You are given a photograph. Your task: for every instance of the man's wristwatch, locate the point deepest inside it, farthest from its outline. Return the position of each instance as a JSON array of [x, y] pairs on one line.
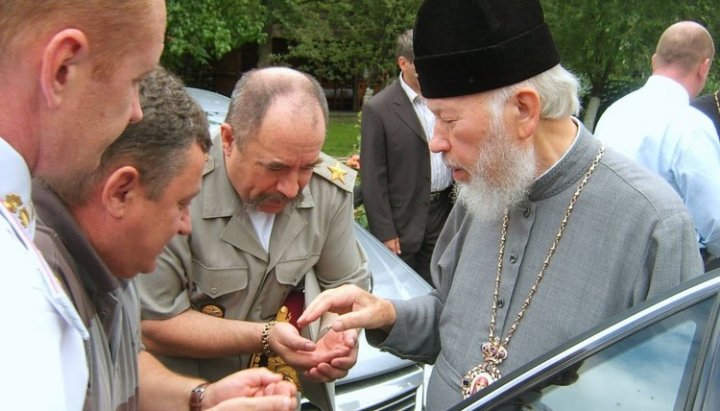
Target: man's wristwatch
[[196, 396]]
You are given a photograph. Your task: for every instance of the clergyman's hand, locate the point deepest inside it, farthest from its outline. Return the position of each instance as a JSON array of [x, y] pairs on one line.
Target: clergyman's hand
[[359, 309]]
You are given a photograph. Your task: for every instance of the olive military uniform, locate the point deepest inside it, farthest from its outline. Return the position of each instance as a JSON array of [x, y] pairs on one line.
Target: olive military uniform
[[222, 269]]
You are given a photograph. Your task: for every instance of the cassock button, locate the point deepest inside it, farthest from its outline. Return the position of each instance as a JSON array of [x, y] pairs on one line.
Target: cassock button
[[513, 258], [501, 303], [526, 212]]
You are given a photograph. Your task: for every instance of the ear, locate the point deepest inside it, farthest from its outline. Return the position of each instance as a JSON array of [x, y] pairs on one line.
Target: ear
[[121, 188], [526, 111], [704, 69], [62, 54], [402, 62], [228, 138]]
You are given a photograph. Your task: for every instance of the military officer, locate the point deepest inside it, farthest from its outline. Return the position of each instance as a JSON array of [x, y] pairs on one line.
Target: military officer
[[273, 221]]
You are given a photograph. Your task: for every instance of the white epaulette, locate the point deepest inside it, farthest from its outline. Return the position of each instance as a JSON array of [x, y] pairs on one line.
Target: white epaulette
[[336, 172]]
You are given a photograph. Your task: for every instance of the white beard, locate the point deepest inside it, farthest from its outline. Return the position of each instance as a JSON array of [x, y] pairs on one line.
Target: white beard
[[490, 192]]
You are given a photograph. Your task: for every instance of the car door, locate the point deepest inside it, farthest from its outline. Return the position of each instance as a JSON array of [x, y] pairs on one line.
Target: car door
[[662, 355]]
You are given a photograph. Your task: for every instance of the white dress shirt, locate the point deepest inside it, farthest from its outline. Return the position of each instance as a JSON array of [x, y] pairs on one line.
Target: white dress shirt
[[440, 175], [657, 127]]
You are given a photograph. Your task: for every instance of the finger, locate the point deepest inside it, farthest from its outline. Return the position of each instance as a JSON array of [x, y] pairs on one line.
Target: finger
[[284, 388], [353, 320], [308, 360], [298, 343], [285, 337], [338, 300], [344, 363], [350, 337], [325, 373]]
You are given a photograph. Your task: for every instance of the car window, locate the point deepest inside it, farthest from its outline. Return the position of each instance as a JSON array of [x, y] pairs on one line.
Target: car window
[[648, 370]]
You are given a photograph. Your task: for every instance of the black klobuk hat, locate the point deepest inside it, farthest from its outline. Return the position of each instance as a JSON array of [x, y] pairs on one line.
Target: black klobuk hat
[[469, 46]]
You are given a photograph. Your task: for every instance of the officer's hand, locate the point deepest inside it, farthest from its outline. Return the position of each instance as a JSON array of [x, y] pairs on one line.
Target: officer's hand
[[338, 367], [301, 353], [360, 309], [251, 389]]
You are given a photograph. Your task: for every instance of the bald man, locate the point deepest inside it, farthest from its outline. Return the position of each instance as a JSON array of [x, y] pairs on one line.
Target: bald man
[[657, 127]]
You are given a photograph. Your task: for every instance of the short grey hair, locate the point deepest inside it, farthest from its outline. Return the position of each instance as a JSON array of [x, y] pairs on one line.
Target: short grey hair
[[258, 89], [156, 146], [404, 46], [557, 88]]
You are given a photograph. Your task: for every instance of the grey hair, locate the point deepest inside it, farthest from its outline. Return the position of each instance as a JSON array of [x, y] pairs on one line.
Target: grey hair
[[557, 88], [156, 146], [404, 46], [258, 89]]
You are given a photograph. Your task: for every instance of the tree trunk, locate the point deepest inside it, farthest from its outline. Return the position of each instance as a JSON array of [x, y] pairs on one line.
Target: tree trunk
[[591, 113]]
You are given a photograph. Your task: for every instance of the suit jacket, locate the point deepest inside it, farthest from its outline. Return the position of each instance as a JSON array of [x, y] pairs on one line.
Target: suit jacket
[[395, 170]]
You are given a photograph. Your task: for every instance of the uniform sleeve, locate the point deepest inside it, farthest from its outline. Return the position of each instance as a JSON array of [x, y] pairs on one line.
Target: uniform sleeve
[[342, 259], [163, 293], [374, 175]]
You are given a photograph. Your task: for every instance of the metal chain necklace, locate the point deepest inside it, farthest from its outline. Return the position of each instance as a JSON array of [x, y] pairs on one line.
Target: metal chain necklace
[[495, 350], [717, 102]]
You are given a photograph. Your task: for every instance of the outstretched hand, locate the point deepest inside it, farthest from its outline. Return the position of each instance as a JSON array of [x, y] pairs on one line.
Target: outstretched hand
[[303, 354], [252, 389], [339, 366], [359, 309]]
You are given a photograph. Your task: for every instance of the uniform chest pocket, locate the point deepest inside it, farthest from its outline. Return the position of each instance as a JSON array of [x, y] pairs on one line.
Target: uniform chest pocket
[[291, 272], [216, 282]]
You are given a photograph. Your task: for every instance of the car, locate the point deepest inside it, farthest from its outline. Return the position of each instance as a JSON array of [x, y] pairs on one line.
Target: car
[[663, 354], [214, 104], [379, 380]]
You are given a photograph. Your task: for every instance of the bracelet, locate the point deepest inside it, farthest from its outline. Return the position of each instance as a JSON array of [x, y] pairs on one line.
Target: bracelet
[[196, 396], [265, 339]]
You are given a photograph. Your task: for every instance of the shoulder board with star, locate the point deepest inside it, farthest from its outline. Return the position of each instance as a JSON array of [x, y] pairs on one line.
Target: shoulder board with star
[[336, 172]]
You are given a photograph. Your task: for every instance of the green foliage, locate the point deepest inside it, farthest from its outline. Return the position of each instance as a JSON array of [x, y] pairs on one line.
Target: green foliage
[[206, 30], [609, 43], [341, 41]]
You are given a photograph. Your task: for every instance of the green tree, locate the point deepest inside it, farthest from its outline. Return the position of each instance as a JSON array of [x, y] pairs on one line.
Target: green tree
[[345, 41], [201, 31], [609, 43]]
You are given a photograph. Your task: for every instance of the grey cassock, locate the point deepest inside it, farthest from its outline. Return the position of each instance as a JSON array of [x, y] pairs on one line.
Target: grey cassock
[[629, 237]]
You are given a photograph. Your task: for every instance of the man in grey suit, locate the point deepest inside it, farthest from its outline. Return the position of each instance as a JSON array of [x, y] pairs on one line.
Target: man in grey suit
[[406, 189]]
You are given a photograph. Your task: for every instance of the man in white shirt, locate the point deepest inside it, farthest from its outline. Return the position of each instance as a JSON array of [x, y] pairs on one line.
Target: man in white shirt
[[656, 126]]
